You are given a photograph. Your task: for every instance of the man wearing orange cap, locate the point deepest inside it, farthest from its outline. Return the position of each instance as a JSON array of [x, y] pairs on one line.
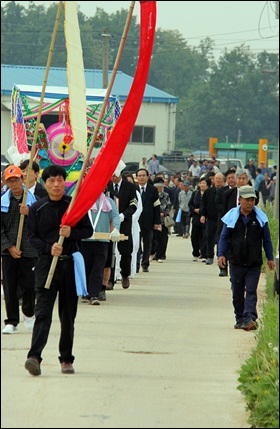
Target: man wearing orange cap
[[17, 264]]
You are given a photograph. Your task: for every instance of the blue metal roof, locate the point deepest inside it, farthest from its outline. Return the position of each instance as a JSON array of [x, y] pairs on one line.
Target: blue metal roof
[[31, 75]]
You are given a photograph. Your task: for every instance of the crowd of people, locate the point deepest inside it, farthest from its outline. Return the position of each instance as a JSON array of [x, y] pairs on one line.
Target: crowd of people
[[134, 217]]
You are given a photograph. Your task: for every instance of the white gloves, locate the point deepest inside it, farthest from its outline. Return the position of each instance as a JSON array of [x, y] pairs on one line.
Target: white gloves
[[115, 235], [121, 217]]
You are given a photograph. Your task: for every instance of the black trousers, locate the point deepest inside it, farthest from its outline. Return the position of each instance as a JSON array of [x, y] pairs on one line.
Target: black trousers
[[211, 237], [185, 222], [146, 240], [244, 282], [63, 285], [198, 241], [162, 241], [18, 274], [125, 248], [95, 255]]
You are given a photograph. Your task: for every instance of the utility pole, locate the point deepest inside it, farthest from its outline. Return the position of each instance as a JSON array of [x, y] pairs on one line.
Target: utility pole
[[239, 133], [105, 57]]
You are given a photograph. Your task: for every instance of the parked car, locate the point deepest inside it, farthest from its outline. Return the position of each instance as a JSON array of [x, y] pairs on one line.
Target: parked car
[[132, 167], [226, 163]]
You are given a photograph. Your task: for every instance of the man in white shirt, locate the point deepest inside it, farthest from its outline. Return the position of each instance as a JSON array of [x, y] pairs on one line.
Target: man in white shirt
[[194, 173], [154, 165]]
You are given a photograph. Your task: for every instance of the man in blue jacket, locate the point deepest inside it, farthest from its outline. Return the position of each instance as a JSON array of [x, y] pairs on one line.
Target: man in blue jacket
[[245, 233]]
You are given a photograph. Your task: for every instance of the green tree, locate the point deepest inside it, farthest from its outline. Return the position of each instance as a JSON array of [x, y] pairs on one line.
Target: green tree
[[13, 27], [233, 97]]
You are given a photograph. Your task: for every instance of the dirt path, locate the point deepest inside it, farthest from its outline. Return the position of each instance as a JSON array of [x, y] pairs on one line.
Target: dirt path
[[162, 354]]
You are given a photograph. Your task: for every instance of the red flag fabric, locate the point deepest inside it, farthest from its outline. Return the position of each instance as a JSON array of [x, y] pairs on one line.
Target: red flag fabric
[[109, 156]]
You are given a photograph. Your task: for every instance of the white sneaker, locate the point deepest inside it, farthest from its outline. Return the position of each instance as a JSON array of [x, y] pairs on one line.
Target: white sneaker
[[9, 329], [160, 261], [29, 322], [195, 259]]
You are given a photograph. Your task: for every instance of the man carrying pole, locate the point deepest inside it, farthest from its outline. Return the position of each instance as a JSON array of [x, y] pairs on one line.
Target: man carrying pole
[[44, 228], [17, 265]]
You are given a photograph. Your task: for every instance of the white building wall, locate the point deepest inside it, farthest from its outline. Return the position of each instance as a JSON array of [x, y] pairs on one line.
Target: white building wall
[[163, 118]]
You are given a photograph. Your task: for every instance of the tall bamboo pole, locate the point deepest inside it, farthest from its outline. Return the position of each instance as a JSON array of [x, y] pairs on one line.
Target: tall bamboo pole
[[32, 153], [103, 108]]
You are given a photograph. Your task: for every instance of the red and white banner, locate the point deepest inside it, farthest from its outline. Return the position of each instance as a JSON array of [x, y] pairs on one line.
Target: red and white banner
[[109, 156]]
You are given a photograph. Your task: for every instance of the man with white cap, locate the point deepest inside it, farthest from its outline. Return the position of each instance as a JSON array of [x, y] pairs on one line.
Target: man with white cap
[[245, 233], [124, 194]]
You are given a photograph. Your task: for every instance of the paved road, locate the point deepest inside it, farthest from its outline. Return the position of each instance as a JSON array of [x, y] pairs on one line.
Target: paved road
[[162, 354]]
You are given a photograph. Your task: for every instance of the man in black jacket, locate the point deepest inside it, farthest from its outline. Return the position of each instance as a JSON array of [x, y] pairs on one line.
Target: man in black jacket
[[124, 193], [244, 234], [209, 216], [17, 263], [44, 229], [230, 184], [251, 168], [150, 217], [34, 186]]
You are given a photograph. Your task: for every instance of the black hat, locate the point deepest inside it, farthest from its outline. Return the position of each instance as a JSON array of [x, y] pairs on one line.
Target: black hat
[[159, 181]]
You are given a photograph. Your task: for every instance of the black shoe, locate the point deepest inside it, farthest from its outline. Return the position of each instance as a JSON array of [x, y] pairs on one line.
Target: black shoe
[[94, 301], [145, 269], [33, 366], [223, 272], [110, 286], [238, 325], [102, 296], [251, 325], [125, 282], [67, 368]]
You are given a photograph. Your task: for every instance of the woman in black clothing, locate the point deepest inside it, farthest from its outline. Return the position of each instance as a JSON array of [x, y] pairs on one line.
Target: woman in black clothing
[[198, 228]]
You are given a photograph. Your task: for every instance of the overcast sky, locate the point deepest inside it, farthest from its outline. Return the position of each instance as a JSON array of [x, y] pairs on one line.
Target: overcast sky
[[229, 23]]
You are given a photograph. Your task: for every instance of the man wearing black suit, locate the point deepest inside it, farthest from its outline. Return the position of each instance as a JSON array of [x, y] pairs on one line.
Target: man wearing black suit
[[231, 184], [35, 187], [124, 194], [150, 217]]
